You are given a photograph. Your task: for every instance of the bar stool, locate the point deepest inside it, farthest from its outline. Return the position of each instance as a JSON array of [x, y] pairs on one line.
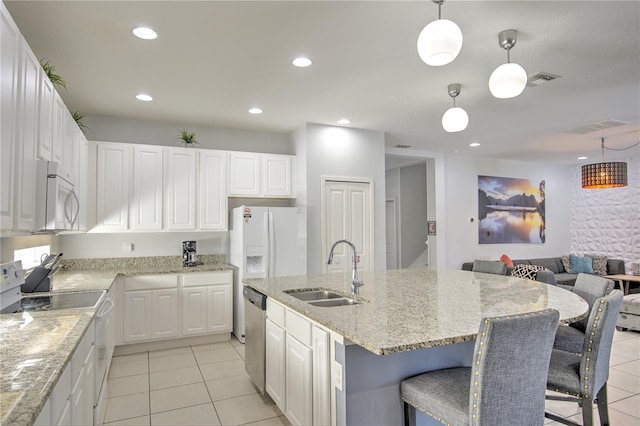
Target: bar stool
[[505, 384], [570, 338], [490, 267], [584, 376]]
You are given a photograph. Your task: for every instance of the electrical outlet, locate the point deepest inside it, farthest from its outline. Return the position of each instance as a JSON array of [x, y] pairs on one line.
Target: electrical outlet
[[127, 247], [338, 376]]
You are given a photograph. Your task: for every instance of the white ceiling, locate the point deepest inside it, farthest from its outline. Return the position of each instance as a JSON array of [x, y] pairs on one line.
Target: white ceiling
[[214, 60]]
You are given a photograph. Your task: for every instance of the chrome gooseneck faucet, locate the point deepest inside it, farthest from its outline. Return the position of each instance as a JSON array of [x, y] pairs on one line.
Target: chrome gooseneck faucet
[[355, 282]]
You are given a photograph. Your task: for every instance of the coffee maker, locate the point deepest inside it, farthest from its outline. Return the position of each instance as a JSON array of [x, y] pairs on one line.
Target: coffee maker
[[189, 257]]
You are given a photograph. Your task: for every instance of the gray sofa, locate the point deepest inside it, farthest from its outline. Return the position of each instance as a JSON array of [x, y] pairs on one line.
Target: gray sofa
[[558, 275]]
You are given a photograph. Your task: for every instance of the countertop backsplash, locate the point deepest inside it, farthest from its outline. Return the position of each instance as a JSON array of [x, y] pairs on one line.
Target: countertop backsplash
[[136, 263]]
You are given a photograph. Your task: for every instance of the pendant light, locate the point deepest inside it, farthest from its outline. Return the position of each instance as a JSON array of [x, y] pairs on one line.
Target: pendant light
[[455, 119], [605, 174], [510, 79], [440, 41]]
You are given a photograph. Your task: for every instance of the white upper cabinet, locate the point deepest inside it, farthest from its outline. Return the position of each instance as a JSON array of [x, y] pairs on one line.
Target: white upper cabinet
[[277, 176], [25, 159], [212, 190], [112, 187], [58, 129], [261, 175], [146, 201], [180, 188], [244, 174], [9, 77], [70, 147], [45, 137]]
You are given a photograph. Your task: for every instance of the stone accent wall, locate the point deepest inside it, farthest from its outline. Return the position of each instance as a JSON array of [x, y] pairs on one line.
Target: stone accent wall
[[607, 221]]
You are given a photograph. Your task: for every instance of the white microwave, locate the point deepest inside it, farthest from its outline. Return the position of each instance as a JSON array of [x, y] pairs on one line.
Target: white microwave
[[57, 204]]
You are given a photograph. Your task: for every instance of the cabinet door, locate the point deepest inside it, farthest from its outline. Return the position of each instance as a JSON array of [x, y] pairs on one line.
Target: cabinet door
[[164, 313], [244, 174], [212, 190], [27, 135], [277, 176], [89, 386], [180, 188], [194, 310], [146, 201], [298, 379], [220, 317], [9, 112], [112, 187], [65, 416], [58, 129], [275, 363], [83, 182], [321, 377], [77, 399], [45, 128], [137, 315], [70, 150]]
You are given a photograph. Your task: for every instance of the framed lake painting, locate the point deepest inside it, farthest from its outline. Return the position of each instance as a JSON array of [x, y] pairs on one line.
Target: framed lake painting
[[510, 211]]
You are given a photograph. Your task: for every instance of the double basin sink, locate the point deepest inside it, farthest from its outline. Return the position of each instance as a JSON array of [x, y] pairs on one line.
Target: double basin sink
[[322, 298]]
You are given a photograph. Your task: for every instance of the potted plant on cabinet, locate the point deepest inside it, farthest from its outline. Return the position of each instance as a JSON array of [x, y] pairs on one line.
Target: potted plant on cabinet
[[187, 138]]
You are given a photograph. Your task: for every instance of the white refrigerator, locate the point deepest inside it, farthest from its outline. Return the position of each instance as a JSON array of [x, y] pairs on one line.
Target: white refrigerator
[[265, 242]]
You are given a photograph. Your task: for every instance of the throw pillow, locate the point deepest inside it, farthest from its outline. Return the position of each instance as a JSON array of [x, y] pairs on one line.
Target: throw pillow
[[582, 264], [599, 264], [566, 262], [506, 260], [527, 271]]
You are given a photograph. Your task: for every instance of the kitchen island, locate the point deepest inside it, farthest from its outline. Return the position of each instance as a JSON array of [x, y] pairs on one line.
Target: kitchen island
[[410, 321]]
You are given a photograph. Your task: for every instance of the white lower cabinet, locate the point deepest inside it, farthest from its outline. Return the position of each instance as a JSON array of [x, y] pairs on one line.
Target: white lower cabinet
[[71, 401], [297, 364], [160, 307], [275, 363]]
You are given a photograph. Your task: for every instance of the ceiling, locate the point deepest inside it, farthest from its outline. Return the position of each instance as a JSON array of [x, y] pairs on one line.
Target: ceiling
[[214, 60]]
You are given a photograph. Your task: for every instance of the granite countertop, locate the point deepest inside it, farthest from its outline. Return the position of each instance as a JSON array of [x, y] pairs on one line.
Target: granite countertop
[[410, 309], [36, 347]]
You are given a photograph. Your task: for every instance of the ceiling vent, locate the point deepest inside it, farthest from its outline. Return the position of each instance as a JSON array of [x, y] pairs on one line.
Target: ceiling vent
[[594, 127], [540, 78], [403, 146]]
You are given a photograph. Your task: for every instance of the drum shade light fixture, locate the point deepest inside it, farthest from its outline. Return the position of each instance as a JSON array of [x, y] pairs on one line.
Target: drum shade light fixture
[[455, 119], [510, 79], [440, 41], [603, 175]]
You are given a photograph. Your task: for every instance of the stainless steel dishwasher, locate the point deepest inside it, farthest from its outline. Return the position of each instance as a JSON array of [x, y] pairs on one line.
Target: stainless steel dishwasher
[[255, 315]]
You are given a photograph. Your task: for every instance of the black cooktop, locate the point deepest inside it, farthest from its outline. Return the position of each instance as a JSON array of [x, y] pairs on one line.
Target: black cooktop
[[82, 299]]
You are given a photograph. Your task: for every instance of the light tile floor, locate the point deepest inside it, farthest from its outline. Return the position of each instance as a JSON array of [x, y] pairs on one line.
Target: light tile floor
[[207, 385], [193, 385]]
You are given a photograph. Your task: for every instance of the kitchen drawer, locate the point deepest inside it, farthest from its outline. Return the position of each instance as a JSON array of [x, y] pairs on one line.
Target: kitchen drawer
[[275, 312], [150, 282], [206, 278], [298, 326]]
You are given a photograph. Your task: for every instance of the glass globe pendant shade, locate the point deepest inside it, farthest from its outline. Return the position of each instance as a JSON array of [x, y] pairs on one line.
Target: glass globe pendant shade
[[507, 81], [439, 42], [455, 119]]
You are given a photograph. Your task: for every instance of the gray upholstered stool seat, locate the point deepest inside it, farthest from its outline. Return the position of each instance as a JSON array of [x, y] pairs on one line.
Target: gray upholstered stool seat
[[585, 375], [490, 267], [505, 384], [590, 287]]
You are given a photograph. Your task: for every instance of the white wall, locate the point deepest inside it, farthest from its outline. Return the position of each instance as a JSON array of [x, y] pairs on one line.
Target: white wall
[[413, 212], [9, 244], [607, 221], [112, 129], [345, 152], [461, 195]]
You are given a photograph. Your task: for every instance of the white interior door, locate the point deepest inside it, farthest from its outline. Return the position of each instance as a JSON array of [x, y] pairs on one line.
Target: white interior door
[[347, 215], [392, 234]]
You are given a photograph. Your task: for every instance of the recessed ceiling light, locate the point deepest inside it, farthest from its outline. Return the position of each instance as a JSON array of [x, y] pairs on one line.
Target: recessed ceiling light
[[344, 121], [255, 111], [145, 33], [301, 62], [144, 97], [474, 144], [582, 158]]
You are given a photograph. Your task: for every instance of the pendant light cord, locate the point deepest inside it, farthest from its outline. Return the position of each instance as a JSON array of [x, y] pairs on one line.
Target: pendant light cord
[[616, 149]]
